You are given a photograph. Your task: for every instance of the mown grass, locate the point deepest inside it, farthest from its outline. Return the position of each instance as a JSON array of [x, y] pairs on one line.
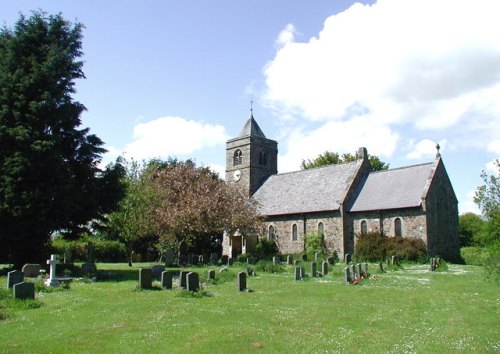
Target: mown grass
[[404, 310]]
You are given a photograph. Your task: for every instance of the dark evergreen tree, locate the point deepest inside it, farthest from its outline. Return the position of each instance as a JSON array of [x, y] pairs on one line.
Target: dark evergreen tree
[[49, 175]]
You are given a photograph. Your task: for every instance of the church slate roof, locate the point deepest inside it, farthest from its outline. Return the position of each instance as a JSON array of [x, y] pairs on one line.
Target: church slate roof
[[312, 190], [252, 128], [393, 189]]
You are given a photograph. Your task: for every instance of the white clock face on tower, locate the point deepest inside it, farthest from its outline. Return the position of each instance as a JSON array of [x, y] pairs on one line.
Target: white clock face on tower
[[236, 175]]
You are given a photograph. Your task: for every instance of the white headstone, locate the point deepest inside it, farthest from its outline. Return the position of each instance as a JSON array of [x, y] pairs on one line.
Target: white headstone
[[52, 281]]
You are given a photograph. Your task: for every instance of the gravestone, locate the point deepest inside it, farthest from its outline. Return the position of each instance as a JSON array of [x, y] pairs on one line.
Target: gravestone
[[225, 259], [347, 275], [201, 259], [192, 281], [14, 277], [313, 269], [24, 291], [52, 262], [353, 271], [88, 269], [297, 273], [68, 258], [324, 268], [331, 260], [213, 258], [166, 279], [182, 279], [183, 260], [302, 272], [31, 270], [211, 274], [381, 267], [275, 260], [190, 258], [230, 261], [90, 252], [316, 256], [365, 268], [289, 259], [304, 257], [359, 270], [157, 270], [250, 272], [347, 258], [169, 257], [394, 260], [145, 278], [296, 263], [242, 281]]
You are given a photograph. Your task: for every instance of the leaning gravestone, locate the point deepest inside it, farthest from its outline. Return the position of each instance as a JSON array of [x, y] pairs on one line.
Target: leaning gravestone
[[242, 281], [157, 270], [31, 270], [192, 281], [145, 278], [297, 273], [347, 258], [24, 291], [182, 279], [166, 279], [324, 268], [313, 269], [211, 274], [169, 257], [14, 277]]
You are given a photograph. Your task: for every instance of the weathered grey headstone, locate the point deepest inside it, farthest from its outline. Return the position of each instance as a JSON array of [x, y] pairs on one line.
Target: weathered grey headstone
[[90, 252], [145, 278], [166, 279], [313, 269], [302, 272], [250, 272], [297, 273], [213, 258], [31, 270], [289, 259], [324, 268], [316, 256], [192, 281], [230, 261], [353, 271], [14, 277], [211, 274], [347, 275], [24, 291], [331, 260], [394, 260], [68, 258], [169, 257], [88, 269], [52, 262], [242, 281], [157, 270], [365, 267], [359, 270], [347, 258], [182, 279], [304, 257], [275, 260], [201, 259], [225, 259]]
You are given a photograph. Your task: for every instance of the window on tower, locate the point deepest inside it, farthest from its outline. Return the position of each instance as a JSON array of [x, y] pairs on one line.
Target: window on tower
[[263, 158], [237, 158]]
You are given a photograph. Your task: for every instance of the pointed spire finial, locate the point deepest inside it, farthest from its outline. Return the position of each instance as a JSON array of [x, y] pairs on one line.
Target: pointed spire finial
[[438, 154], [251, 107]]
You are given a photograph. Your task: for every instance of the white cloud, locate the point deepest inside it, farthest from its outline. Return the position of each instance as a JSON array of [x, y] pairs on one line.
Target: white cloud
[[425, 149], [466, 203], [171, 136], [421, 64], [494, 146]]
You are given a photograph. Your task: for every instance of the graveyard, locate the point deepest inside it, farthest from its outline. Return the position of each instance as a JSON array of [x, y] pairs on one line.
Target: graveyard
[[404, 308]]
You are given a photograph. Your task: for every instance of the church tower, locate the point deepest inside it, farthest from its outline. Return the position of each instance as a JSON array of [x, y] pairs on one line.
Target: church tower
[[250, 158]]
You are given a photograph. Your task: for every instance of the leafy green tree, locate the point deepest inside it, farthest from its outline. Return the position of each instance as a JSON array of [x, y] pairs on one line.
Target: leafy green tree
[[488, 195], [49, 175], [470, 227], [333, 158]]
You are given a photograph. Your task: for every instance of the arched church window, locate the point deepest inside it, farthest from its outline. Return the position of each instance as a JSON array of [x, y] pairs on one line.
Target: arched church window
[[272, 233], [321, 229], [264, 158], [237, 158], [364, 227], [295, 232], [398, 229]]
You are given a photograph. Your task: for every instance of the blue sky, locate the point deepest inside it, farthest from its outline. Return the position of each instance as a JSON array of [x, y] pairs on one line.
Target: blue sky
[[175, 78]]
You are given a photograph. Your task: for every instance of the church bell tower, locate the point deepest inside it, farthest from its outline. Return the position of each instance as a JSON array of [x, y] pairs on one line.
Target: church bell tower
[[250, 158]]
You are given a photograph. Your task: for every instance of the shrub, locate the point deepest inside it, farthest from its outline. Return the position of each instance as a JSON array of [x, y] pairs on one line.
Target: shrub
[[374, 247], [104, 251], [475, 255], [370, 247], [314, 243], [265, 249]]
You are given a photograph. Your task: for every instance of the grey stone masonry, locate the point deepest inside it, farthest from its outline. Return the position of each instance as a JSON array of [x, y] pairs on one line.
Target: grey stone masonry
[[313, 269], [182, 279], [211, 274], [324, 268], [192, 281], [347, 275], [242, 281], [24, 291], [166, 279], [14, 277], [297, 273], [31, 270], [145, 278], [157, 270]]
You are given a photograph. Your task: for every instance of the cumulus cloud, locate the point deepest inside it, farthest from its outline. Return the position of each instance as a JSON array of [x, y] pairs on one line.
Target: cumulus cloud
[[466, 203], [425, 149], [412, 66], [172, 136]]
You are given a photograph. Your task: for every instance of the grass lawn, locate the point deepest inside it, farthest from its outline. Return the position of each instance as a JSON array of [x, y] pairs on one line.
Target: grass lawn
[[406, 311]]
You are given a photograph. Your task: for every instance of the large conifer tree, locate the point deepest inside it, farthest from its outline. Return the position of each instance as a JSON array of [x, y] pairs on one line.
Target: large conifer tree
[[49, 175]]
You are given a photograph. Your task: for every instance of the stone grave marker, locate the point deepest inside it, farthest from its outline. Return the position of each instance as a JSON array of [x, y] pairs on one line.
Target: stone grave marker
[[213, 258], [14, 277], [68, 257], [347, 258], [166, 279], [365, 268], [169, 257], [296, 263], [192, 281], [190, 258], [145, 278], [313, 269], [157, 270], [289, 260], [242, 281], [381, 267], [297, 273], [394, 260], [302, 272], [230, 261], [52, 262], [324, 268], [211, 274], [331, 260], [250, 272], [182, 279], [316, 256], [359, 270], [24, 290], [201, 259], [225, 259], [353, 271], [275, 260], [31, 270], [347, 275], [183, 259]]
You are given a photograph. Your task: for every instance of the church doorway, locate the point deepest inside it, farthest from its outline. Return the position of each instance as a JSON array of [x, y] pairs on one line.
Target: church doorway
[[236, 246]]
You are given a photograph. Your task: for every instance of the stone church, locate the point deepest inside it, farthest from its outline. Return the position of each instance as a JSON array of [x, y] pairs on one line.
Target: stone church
[[340, 201]]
